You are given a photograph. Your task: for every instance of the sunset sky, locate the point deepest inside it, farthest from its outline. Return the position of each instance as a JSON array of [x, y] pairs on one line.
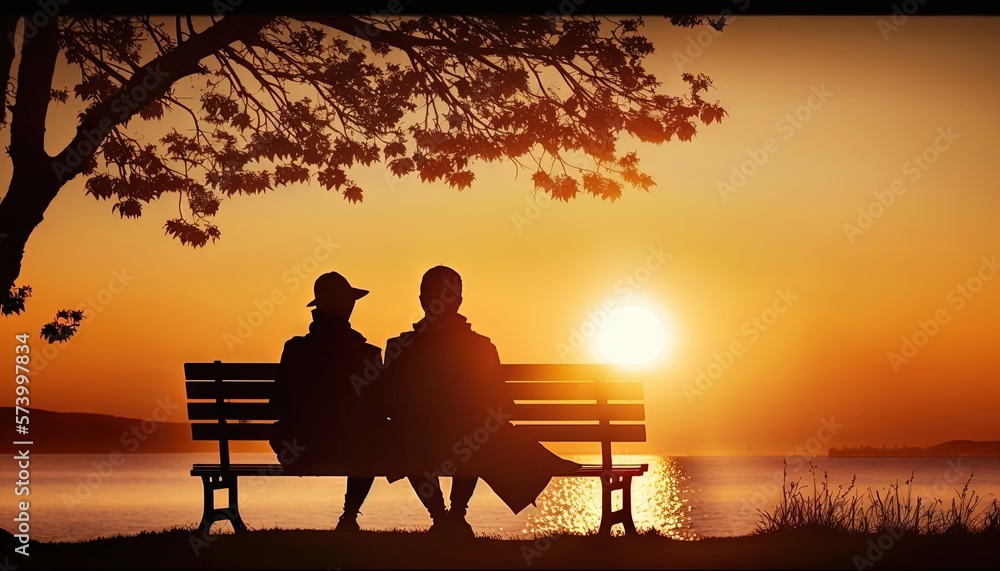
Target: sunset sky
[[835, 109]]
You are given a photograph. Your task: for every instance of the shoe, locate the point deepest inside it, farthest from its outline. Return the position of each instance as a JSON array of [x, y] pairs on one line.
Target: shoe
[[452, 525], [440, 525], [348, 523], [458, 527]]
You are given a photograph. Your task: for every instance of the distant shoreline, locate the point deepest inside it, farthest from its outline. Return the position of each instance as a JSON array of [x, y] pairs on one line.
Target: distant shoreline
[[950, 449], [94, 433], [924, 457]]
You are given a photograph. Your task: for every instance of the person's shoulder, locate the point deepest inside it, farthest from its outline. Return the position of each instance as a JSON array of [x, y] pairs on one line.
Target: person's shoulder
[[292, 351], [479, 337], [295, 343], [403, 338], [371, 349], [481, 340]]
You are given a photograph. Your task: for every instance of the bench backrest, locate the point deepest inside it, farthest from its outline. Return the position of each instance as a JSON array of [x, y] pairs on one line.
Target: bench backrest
[[555, 403]]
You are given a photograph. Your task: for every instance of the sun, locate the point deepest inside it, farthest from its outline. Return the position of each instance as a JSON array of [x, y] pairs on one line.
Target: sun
[[632, 335]]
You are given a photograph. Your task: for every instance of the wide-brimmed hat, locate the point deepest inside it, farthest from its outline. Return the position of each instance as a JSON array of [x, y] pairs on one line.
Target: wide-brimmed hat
[[332, 287]]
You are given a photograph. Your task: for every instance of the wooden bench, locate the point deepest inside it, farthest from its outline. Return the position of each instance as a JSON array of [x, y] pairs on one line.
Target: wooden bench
[[560, 403]]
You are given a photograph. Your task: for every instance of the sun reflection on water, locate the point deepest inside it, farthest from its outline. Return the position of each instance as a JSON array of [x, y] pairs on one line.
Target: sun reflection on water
[[573, 505]]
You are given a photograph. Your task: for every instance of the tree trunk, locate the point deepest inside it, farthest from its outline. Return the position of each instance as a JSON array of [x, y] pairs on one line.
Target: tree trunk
[[33, 184], [8, 25], [28, 196], [37, 177]]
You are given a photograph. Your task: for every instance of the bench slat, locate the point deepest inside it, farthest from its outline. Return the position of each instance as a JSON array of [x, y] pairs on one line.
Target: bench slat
[[537, 412], [513, 372], [231, 411], [567, 372], [576, 390], [279, 470], [559, 412], [542, 433], [234, 431], [586, 433], [230, 371], [210, 390], [549, 391]]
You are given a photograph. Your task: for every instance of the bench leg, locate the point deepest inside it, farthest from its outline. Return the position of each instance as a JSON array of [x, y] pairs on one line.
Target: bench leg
[[626, 511], [210, 513], [610, 516]]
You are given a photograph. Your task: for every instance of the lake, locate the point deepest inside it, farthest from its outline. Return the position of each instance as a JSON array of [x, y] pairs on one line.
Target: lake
[[76, 497]]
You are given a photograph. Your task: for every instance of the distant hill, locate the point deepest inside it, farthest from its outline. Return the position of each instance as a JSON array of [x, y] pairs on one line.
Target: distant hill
[[950, 449], [89, 433]]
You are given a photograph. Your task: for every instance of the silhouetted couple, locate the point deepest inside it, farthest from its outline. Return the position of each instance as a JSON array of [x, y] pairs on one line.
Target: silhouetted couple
[[438, 406]]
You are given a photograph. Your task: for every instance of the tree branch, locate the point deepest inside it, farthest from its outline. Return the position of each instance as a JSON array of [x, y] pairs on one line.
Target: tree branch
[[355, 27], [8, 25], [152, 81]]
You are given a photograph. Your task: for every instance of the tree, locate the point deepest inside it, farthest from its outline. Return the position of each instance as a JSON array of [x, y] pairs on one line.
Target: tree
[[288, 99]]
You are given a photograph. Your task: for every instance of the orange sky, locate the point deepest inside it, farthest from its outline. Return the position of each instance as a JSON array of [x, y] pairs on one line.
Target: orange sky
[[533, 273]]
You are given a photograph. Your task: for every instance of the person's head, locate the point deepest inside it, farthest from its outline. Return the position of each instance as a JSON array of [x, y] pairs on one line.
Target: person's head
[[334, 296], [440, 291]]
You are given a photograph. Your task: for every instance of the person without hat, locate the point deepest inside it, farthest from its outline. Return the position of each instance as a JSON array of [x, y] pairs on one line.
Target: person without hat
[[443, 389], [335, 423]]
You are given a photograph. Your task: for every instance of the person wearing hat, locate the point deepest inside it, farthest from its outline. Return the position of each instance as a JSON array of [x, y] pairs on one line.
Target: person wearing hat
[[326, 421]]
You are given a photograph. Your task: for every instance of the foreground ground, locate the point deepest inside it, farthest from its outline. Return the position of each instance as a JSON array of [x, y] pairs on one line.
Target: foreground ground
[[323, 549]]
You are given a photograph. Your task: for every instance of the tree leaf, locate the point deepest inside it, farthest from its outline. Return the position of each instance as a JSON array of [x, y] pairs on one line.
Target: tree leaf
[[461, 179], [353, 194], [63, 327], [402, 166], [13, 300], [130, 208], [332, 177]]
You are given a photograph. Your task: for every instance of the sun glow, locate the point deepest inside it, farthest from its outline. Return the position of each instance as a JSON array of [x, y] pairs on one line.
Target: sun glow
[[633, 335]]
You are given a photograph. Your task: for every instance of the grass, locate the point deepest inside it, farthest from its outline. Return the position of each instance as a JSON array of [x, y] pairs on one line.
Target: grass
[[848, 510], [821, 527], [323, 549]]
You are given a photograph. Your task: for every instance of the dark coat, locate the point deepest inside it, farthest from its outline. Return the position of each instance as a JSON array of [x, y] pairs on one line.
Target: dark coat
[[324, 401], [449, 409]]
